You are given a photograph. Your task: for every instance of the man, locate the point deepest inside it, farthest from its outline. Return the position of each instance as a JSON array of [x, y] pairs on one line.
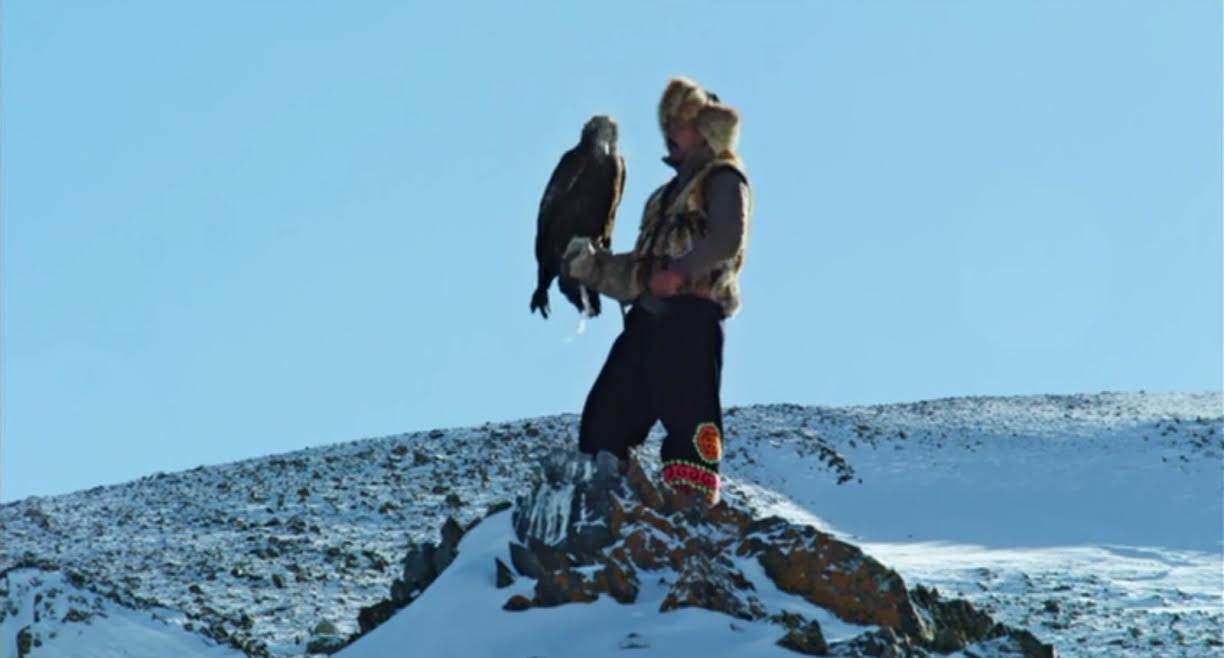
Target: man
[[682, 279]]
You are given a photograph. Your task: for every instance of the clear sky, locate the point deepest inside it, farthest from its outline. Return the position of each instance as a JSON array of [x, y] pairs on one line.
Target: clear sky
[[238, 228]]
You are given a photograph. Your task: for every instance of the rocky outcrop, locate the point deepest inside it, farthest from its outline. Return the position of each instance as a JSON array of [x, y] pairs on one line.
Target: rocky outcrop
[[591, 528]]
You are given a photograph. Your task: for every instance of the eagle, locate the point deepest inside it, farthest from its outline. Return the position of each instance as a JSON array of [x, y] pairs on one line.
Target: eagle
[[580, 201]]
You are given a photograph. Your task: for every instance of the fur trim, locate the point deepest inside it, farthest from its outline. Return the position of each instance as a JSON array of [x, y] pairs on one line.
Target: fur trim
[[718, 122], [682, 99]]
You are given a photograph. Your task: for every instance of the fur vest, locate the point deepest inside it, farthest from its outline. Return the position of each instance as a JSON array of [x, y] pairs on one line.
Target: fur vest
[[668, 233]]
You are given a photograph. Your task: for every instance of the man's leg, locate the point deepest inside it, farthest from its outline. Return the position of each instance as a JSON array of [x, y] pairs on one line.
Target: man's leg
[[685, 372], [618, 413]]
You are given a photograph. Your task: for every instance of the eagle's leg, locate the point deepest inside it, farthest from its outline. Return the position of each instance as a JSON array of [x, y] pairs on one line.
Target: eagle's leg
[[539, 298], [590, 299]]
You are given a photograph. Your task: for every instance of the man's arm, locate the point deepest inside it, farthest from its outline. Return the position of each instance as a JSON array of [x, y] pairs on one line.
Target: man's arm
[[726, 203], [601, 270]]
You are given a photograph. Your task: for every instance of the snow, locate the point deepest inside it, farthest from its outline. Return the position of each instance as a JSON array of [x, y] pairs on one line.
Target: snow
[[101, 628], [1094, 520]]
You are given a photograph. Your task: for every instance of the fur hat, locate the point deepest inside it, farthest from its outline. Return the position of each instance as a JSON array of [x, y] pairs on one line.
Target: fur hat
[[686, 100]]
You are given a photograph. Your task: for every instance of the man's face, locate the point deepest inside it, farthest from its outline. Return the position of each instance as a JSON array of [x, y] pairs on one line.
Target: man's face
[[683, 139]]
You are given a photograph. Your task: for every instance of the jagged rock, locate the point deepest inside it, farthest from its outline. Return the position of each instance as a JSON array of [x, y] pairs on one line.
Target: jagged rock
[[525, 562], [807, 639], [558, 587], [884, 643], [419, 568], [584, 513], [714, 584], [616, 581], [832, 574], [504, 577], [956, 624], [370, 617], [446, 551]]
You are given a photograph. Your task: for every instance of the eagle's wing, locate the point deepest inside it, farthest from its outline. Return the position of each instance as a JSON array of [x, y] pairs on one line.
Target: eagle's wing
[[564, 176], [617, 194]]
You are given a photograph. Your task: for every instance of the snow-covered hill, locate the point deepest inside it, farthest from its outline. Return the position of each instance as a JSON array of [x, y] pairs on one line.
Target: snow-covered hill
[[1093, 520]]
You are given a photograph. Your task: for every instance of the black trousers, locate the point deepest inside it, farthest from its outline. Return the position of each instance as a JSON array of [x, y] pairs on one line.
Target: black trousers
[[665, 366]]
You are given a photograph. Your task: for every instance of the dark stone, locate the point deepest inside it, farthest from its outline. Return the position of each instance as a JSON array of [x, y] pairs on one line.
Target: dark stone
[[525, 562], [712, 584], [617, 582], [551, 558], [327, 644], [561, 587], [956, 622], [452, 532], [806, 639], [499, 506], [504, 577], [419, 570], [516, 603], [373, 616], [1031, 646], [278, 580], [25, 641], [400, 593]]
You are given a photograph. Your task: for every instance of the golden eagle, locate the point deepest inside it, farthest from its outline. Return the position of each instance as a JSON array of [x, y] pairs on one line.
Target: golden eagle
[[580, 200]]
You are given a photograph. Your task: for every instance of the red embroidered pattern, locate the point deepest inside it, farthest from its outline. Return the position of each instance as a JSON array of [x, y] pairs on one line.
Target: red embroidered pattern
[[700, 477], [708, 441]]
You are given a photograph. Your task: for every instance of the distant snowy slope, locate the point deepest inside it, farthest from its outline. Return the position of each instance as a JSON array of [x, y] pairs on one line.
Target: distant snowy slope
[[1095, 520]]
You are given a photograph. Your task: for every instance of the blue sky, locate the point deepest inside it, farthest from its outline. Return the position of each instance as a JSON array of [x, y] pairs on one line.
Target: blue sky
[[238, 228]]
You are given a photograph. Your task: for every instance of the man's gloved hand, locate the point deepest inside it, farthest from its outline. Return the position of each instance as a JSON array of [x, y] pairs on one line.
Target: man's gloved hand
[[593, 266], [580, 261]]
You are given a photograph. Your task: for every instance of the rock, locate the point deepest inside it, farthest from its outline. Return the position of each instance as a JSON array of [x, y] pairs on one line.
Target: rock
[[504, 577], [616, 581], [278, 581], [325, 627], [634, 641], [420, 457], [326, 644], [419, 566], [371, 617], [517, 602], [832, 574], [713, 584], [525, 562], [806, 639], [77, 616], [25, 642], [443, 556], [556, 588], [956, 624]]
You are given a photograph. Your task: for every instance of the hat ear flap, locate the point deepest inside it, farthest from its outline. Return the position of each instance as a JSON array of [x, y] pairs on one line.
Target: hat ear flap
[[719, 124]]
